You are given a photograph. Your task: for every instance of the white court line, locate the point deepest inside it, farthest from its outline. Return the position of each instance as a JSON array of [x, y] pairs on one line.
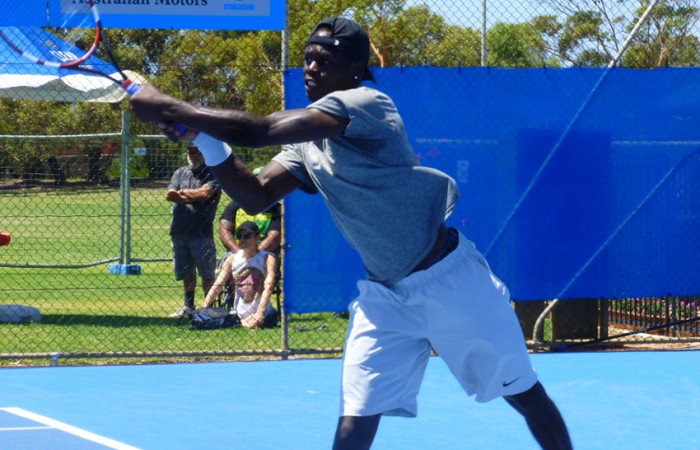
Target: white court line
[[67, 428]]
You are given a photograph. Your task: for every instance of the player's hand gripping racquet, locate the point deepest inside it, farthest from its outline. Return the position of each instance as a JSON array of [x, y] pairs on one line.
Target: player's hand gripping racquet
[[84, 36]]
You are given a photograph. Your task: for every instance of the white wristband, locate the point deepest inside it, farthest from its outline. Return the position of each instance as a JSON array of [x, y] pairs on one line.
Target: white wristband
[[215, 151]]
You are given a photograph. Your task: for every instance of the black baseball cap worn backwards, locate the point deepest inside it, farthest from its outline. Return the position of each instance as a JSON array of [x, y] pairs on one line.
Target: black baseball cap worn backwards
[[249, 226], [347, 36]]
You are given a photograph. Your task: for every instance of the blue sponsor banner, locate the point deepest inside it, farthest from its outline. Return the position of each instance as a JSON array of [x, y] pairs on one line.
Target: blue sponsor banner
[[155, 14], [607, 207], [23, 13]]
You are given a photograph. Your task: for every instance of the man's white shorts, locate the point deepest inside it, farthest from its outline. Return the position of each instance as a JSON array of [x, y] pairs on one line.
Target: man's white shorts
[[459, 308]]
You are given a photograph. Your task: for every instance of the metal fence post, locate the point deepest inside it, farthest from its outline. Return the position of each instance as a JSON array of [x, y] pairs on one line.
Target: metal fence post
[[284, 337], [125, 267]]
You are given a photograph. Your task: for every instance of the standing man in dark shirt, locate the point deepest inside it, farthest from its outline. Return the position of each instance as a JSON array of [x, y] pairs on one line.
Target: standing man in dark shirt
[[195, 194]]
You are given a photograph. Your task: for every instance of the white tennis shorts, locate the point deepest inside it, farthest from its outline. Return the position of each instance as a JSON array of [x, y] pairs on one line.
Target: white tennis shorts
[[459, 308]]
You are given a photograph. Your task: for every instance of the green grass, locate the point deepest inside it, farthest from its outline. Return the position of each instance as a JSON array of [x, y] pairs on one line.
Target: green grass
[[88, 310]]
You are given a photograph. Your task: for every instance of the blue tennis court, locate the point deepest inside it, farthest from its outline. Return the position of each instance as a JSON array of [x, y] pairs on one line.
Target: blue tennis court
[[620, 400]]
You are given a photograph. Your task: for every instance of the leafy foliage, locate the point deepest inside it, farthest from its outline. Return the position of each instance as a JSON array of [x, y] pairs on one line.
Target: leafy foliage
[[239, 69]]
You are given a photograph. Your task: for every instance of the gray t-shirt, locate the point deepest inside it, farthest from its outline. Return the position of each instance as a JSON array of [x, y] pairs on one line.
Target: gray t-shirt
[[385, 204]]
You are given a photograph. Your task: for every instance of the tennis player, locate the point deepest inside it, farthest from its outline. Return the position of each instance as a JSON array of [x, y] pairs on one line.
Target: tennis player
[[427, 286]]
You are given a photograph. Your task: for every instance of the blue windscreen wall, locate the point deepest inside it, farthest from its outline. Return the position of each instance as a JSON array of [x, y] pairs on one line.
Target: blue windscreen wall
[[576, 183]]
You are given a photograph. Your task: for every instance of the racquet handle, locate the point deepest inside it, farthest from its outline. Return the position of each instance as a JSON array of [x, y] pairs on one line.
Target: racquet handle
[[131, 88]]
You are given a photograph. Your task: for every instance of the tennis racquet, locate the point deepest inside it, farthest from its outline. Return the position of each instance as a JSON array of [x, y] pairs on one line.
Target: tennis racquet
[[81, 40]]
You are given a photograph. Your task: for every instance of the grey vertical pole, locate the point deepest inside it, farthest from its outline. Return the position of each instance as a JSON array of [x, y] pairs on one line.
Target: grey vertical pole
[[125, 267], [123, 180], [126, 183], [283, 246], [483, 33]]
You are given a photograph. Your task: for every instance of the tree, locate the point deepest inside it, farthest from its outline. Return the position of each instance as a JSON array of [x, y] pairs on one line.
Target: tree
[[241, 69], [458, 47], [666, 39], [593, 32], [517, 45]]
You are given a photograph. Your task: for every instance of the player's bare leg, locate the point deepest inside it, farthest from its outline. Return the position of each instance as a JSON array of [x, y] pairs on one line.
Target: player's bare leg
[[542, 417], [356, 433]]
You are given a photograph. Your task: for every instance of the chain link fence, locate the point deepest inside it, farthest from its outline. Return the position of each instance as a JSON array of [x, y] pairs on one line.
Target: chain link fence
[[82, 188]]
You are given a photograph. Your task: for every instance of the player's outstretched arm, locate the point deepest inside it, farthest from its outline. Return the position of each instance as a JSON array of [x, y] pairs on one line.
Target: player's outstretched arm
[[210, 128], [238, 128]]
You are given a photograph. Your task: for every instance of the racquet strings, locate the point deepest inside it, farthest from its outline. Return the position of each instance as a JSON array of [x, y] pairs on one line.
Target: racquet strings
[[79, 30], [82, 27], [70, 40], [77, 27]]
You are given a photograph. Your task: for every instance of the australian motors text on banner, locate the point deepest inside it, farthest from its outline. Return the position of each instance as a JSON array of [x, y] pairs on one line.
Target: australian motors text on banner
[[155, 14]]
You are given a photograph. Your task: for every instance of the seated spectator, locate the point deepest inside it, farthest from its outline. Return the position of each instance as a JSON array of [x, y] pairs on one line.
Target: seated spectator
[[269, 223], [252, 275]]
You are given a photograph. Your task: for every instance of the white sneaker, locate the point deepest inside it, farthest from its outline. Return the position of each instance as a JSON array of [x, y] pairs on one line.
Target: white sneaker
[[182, 311]]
